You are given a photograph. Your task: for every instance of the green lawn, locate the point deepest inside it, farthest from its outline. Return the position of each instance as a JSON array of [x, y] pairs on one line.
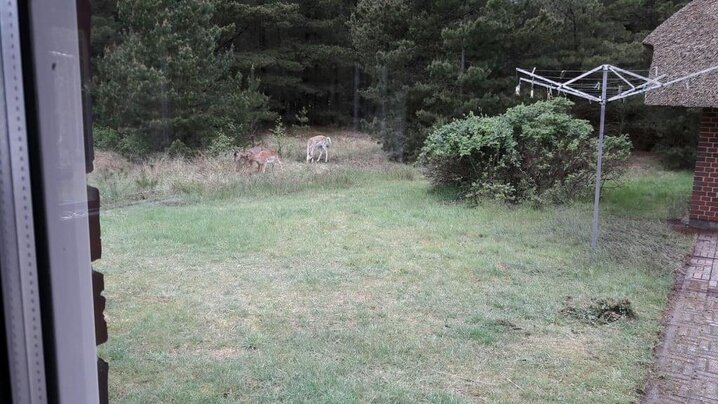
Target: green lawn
[[383, 290]]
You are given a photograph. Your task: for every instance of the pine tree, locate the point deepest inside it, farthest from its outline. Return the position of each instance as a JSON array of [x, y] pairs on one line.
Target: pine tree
[[301, 51], [184, 70], [163, 81]]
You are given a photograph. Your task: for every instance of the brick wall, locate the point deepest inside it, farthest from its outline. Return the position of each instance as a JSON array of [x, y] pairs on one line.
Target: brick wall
[[704, 201]]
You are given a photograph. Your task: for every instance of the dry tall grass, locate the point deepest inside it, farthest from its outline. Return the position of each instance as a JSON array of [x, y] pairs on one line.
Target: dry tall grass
[[353, 157]]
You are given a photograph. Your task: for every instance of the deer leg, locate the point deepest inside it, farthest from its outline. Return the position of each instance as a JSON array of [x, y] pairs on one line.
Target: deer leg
[[326, 154]]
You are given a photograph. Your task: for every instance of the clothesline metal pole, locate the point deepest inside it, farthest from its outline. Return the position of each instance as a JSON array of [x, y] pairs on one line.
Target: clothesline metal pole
[[574, 87], [599, 165]]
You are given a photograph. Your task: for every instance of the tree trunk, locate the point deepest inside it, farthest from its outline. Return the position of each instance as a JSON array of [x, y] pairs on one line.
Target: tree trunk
[[355, 113], [462, 68]]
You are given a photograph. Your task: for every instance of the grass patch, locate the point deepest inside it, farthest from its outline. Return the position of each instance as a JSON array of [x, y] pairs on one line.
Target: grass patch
[[373, 287], [650, 193]]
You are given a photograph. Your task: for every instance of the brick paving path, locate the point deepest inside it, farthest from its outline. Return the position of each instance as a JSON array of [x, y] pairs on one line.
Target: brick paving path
[[687, 358]]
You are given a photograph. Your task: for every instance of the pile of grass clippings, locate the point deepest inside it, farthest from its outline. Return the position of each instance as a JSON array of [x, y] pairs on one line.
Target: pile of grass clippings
[[599, 311]]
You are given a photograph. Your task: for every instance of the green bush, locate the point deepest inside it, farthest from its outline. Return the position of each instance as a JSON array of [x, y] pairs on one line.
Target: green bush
[[134, 145], [106, 138], [179, 149], [131, 144], [219, 144], [676, 137], [280, 134], [302, 119], [146, 182], [536, 153], [677, 157]]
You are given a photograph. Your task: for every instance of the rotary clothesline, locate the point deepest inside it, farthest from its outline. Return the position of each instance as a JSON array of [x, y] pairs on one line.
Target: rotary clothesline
[[603, 84], [627, 83], [589, 85]]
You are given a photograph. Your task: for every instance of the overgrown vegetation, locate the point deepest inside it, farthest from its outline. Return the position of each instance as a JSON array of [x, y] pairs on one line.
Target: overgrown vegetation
[[536, 153], [181, 174], [185, 70]]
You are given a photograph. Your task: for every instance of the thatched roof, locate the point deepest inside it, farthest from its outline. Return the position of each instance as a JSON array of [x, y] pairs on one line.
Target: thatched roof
[[686, 43]]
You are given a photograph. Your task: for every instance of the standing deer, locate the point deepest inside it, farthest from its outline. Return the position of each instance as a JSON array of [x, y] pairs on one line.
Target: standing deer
[[242, 157], [318, 142], [257, 154], [265, 157]]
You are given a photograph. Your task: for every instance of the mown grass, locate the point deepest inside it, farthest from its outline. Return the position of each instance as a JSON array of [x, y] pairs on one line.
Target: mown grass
[[647, 191], [380, 289]]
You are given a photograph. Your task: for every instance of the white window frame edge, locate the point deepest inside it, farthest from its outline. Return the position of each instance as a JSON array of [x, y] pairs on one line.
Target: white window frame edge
[[21, 300], [56, 70]]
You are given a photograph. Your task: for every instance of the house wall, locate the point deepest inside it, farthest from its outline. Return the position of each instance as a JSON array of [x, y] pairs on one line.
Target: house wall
[[704, 201]]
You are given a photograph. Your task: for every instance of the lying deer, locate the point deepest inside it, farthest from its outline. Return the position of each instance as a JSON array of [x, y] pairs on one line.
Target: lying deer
[[318, 142]]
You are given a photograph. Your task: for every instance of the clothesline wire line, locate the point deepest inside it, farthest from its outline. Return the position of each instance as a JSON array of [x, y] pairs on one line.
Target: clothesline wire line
[[585, 78], [585, 70], [590, 77]]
